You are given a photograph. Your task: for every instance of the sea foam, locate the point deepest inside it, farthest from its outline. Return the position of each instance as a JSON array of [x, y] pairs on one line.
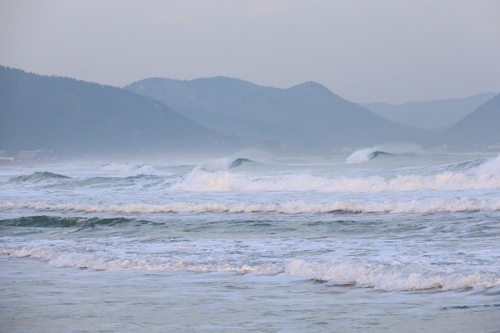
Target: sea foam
[[415, 206], [393, 276], [485, 176], [382, 275]]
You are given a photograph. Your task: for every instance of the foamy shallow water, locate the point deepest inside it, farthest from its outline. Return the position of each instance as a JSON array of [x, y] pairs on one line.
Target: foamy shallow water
[[72, 300], [272, 245]]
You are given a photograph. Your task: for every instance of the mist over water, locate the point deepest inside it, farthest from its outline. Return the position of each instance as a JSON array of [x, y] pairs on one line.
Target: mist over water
[[406, 223], [249, 166]]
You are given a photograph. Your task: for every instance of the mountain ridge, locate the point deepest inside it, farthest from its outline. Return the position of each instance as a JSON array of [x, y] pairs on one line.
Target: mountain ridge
[[307, 112], [431, 115], [70, 116], [479, 128]]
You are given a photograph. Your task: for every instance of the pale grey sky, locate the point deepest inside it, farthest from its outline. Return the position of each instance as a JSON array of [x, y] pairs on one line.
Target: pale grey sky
[[365, 51]]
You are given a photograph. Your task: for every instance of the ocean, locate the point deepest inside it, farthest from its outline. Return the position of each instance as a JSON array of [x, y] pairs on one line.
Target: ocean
[[382, 243]]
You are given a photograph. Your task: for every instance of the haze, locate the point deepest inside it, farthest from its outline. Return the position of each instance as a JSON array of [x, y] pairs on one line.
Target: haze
[[250, 166], [364, 51]]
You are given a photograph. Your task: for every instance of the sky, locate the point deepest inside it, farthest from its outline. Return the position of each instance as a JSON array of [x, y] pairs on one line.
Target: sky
[[364, 51]]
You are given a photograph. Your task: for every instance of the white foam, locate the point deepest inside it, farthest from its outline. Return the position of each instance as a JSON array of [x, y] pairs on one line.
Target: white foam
[[105, 260], [223, 181], [421, 206], [491, 167], [395, 276]]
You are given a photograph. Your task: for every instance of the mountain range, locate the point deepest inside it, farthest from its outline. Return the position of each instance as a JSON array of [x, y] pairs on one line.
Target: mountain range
[[435, 115], [219, 114], [74, 117], [478, 129], [305, 114]]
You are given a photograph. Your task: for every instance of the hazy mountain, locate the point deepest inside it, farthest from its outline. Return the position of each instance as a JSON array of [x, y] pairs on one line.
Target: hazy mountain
[[480, 128], [306, 113], [75, 117], [430, 115]]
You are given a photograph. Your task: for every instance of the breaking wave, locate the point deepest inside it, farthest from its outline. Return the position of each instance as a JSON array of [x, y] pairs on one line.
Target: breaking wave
[[394, 276], [484, 176], [491, 167], [364, 155], [367, 154], [381, 275], [466, 165], [420, 206], [223, 164], [239, 161]]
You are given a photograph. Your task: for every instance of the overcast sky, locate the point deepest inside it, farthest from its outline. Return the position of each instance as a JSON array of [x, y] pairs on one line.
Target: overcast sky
[[364, 51]]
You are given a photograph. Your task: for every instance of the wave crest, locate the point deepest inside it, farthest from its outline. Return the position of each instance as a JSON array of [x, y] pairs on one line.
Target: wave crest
[[395, 276], [199, 181], [483, 176], [421, 206], [37, 177], [223, 164], [381, 275], [367, 154]]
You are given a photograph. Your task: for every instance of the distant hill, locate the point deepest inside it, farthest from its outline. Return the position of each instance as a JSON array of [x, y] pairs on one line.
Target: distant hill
[[480, 128], [75, 117], [430, 115], [306, 114]]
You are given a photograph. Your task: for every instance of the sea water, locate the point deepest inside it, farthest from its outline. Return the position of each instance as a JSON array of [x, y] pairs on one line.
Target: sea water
[[397, 243]]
